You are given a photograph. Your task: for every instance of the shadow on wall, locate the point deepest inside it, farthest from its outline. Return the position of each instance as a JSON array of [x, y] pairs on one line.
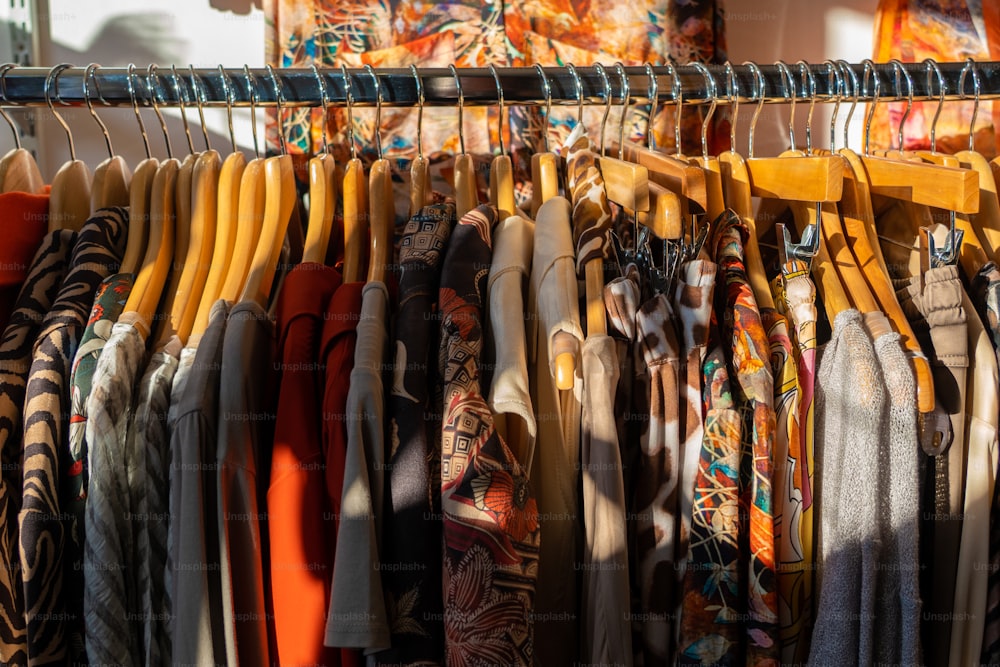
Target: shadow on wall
[[237, 6]]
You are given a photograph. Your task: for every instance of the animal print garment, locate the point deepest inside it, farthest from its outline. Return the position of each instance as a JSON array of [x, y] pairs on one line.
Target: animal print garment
[[591, 216], [35, 300], [491, 530], [97, 254], [656, 491]]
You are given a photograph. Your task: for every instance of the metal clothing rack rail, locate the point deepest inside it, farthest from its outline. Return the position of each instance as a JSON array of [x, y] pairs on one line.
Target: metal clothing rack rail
[[301, 87]]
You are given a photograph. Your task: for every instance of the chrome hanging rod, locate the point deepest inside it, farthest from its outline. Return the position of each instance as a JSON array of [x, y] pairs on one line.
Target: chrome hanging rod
[[25, 86]]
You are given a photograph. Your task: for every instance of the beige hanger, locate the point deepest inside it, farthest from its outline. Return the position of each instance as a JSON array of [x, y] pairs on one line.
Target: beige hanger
[[140, 193], [322, 191], [466, 197], [279, 202], [18, 169], [383, 211], [501, 171], [355, 199], [112, 176], [544, 165], [69, 198]]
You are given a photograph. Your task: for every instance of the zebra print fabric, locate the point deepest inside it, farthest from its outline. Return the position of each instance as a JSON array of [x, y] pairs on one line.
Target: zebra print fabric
[[37, 294], [96, 255]]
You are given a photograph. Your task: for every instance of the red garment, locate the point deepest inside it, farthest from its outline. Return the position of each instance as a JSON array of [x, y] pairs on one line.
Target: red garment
[[301, 527], [24, 219], [337, 354]]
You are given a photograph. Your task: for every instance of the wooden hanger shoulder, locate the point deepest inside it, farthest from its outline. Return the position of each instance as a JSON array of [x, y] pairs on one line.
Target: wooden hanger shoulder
[[110, 185], [502, 186], [382, 219], [279, 181], [251, 217], [466, 197], [69, 199], [140, 192], [182, 233], [19, 172], [544, 180], [322, 206], [928, 184], [673, 173], [419, 184], [355, 194]]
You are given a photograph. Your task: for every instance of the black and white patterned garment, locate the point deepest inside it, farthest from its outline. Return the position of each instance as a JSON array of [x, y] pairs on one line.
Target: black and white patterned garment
[[96, 255], [46, 274]]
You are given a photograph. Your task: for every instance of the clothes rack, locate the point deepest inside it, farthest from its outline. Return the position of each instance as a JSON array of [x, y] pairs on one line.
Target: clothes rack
[[299, 87]]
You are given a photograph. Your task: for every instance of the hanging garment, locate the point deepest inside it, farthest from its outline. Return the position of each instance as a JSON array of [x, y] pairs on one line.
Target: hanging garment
[[897, 598], [554, 328], [744, 333], [114, 568], [972, 580], [491, 527], [357, 616], [98, 250], [711, 631], [151, 444], [412, 556], [693, 299], [795, 296], [246, 427], [936, 314], [986, 296], [510, 395], [655, 522], [471, 34], [25, 224], [850, 410], [301, 530], [109, 301], [46, 274], [197, 627]]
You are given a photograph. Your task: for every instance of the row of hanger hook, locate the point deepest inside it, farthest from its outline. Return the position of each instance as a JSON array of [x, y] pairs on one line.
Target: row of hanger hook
[[844, 84]]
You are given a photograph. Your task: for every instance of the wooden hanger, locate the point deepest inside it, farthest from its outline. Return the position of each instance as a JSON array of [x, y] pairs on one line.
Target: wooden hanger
[[112, 176], [148, 286], [182, 236], [466, 197], [544, 166], [69, 198], [381, 200], [419, 173], [18, 169], [501, 171], [279, 202], [355, 196], [251, 218]]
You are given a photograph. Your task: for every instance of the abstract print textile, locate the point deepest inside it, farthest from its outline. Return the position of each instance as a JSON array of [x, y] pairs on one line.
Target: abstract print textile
[[490, 515], [467, 33], [744, 334]]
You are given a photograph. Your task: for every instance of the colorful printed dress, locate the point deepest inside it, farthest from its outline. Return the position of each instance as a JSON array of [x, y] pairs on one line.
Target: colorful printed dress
[[490, 515]]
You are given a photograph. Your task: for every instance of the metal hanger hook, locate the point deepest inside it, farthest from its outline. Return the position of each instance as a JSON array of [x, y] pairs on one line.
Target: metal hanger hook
[[788, 83], [677, 95], [227, 90], [807, 76], [461, 105], [626, 97], [182, 103], [607, 100], [654, 100], [3, 92], [849, 75], [496, 80], [88, 74], [713, 91], [932, 68], [254, 99], [378, 108], [547, 89], [898, 68], [836, 83], [135, 108], [325, 102], [53, 80], [420, 109], [579, 92], [759, 92], [279, 99], [198, 86], [877, 86], [151, 80], [349, 98], [733, 96], [970, 66]]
